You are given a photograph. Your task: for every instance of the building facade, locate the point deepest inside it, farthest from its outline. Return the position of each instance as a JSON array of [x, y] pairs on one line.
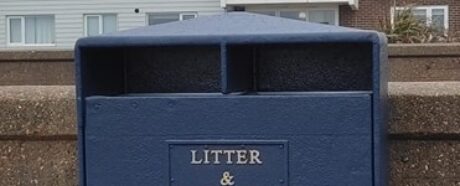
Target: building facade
[[57, 24], [372, 12]]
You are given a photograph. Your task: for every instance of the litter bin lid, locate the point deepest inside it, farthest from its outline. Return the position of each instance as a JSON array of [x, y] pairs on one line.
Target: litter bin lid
[[233, 27]]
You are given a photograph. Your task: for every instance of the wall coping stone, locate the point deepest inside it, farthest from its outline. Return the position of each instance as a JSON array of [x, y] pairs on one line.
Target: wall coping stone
[[439, 88], [424, 50], [37, 111], [430, 109], [417, 108], [36, 55]]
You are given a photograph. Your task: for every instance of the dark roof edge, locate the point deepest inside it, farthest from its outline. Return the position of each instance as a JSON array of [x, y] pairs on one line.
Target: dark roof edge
[[320, 37]]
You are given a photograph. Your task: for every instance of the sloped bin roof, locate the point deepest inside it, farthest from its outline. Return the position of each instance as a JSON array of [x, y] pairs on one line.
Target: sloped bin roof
[[233, 27]]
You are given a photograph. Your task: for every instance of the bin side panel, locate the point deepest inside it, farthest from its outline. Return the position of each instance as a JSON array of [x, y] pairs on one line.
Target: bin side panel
[[380, 111]]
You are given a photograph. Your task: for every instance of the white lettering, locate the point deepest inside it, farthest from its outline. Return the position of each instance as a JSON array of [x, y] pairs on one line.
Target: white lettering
[[255, 154], [206, 157], [194, 160], [229, 155], [241, 157], [217, 157]]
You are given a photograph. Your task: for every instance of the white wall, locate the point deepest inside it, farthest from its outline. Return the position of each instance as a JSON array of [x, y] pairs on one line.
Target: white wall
[[69, 13], [2, 29]]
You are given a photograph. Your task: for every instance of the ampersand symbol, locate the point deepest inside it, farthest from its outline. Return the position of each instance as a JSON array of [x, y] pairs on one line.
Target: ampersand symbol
[[227, 179]]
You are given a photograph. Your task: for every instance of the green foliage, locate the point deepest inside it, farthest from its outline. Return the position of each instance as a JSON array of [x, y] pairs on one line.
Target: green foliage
[[406, 28]]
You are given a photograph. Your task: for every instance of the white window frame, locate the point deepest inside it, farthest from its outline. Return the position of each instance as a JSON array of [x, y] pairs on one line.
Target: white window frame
[[429, 13], [335, 9], [181, 15], [278, 10], [23, 33], [8, 31], [101, 22]]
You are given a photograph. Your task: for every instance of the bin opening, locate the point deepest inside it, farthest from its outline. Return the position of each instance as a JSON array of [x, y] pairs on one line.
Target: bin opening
[[154, 69], [301, 67], [248, 68]]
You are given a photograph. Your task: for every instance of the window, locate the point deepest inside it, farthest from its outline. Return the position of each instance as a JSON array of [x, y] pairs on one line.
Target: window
[[293, 14], [436, 16], [100, 24], [160, 18], [329, 16], [265, 12], [30, 30], [187, 16]]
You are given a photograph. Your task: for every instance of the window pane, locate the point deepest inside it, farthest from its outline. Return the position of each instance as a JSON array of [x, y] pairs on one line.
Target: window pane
[[297, 15], [30, 29], [265, 12], [438, 18], [398, 14], [92, 25], [420, 15], [15, 31], [109, 23], [161, 18], [322, 16], [188, 16], [44, 29], [438, 12]]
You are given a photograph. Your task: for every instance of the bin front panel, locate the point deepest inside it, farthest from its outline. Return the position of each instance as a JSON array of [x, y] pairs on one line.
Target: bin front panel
[[132, 140]]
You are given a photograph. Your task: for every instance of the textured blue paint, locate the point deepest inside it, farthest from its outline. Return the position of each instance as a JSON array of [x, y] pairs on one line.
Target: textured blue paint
[[217, 86]]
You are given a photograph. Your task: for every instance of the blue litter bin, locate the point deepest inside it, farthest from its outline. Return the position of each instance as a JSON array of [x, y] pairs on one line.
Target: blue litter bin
[[236, 99]]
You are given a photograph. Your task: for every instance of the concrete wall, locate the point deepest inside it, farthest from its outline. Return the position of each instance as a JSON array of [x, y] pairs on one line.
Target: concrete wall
[[36, 67], [425, 62]]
